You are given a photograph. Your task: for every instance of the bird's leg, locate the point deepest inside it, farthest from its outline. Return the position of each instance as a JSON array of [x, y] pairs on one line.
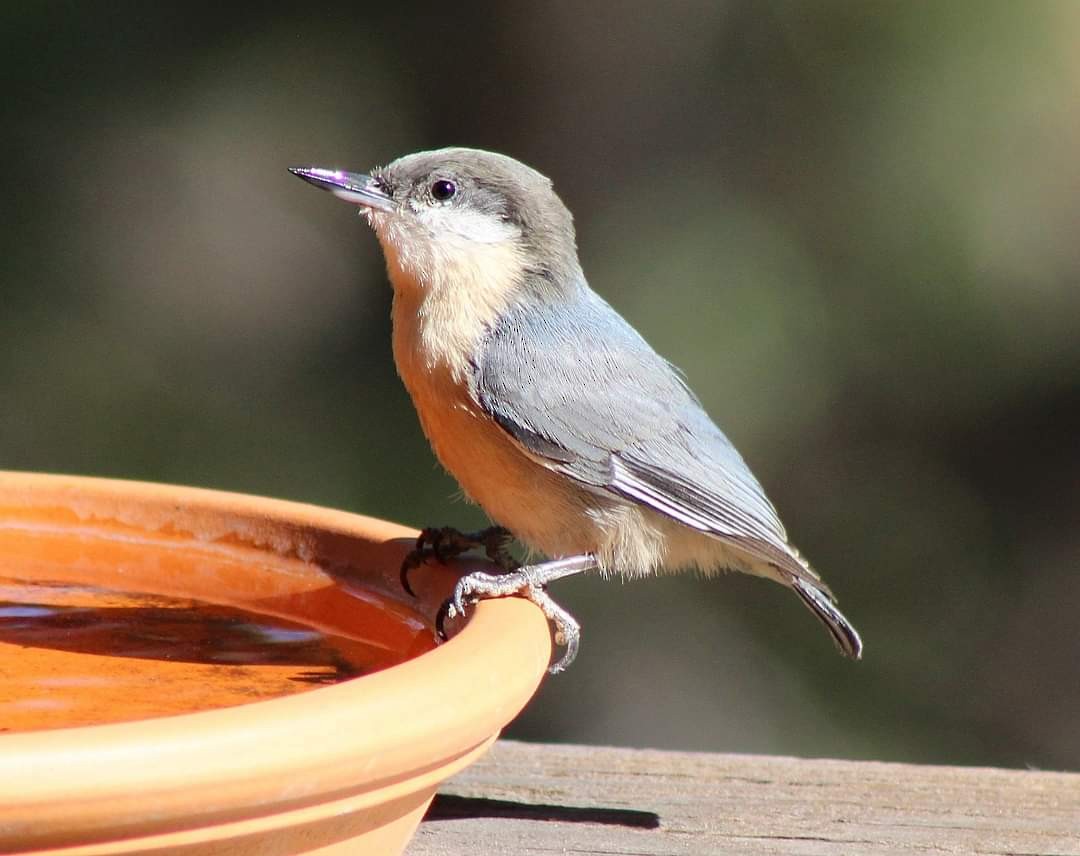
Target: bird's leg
[[530, 582], [445, 543]]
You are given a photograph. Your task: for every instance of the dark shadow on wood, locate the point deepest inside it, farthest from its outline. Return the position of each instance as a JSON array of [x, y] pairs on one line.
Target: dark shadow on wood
[[451, 807]]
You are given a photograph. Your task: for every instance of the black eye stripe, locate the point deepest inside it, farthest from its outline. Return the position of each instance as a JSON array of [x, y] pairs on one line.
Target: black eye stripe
[[443, 189]]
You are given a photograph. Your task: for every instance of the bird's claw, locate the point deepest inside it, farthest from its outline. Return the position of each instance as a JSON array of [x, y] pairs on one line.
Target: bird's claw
[[477, 583], [414, 559], [444, 543], [527, 582]]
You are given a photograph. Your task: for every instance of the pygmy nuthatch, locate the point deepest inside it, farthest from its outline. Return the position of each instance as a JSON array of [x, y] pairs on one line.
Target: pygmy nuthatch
[[545, 404]]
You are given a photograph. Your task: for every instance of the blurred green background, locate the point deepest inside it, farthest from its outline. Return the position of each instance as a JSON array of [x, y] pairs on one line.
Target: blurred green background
[[855, 226]]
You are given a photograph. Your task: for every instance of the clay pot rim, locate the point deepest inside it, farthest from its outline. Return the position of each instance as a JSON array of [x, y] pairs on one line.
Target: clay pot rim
[[284, 753]]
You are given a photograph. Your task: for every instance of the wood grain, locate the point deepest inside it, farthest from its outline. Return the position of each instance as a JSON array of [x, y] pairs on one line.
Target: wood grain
[[539, 799]]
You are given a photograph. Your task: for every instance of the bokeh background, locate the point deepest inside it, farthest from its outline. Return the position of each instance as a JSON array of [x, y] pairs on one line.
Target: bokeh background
[[853, 225]]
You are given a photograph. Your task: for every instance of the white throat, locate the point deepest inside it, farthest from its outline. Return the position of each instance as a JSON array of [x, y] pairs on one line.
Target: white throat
[[454, 272]]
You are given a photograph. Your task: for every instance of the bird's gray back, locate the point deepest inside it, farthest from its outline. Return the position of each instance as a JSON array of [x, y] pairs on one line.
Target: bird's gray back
[[580, 389]]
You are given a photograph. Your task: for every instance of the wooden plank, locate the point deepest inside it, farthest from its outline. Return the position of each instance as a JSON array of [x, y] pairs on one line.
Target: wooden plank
[[541, 799]]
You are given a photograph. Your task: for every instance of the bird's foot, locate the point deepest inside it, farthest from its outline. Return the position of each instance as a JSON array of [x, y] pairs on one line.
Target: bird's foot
[[531, 583], [444, 543]]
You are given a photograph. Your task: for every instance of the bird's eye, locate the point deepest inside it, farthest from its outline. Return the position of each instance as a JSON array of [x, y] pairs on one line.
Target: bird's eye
[[443, 189]]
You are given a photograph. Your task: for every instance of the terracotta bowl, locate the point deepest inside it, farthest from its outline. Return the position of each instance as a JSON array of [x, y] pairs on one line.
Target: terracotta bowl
[[117, 740]]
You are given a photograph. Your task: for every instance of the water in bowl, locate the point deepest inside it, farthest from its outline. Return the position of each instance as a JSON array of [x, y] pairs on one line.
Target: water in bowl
[[98, 626]]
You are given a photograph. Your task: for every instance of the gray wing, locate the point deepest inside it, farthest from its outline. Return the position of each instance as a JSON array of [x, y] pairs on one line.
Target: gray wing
[[577, 386], [579, 389]]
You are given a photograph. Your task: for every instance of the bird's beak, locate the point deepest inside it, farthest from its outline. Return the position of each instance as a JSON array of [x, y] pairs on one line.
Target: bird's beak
[[353, 187]]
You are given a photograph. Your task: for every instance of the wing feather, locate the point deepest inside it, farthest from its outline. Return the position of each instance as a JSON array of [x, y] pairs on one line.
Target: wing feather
[[609, 412], [582, 392]]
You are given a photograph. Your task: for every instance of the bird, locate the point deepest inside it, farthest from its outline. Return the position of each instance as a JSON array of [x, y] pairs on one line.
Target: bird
[[550, 410]]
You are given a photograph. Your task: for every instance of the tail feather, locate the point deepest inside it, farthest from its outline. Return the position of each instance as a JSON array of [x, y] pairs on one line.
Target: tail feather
[[844, 635]]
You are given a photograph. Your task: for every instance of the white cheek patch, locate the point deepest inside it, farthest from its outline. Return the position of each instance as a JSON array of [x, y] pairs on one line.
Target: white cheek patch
[[447, 221]]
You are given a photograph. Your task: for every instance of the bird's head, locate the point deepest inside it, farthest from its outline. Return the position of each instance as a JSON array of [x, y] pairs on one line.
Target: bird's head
[[447, 214]]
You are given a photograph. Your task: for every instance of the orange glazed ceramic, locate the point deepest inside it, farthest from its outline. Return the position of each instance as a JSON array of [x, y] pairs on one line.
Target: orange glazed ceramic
[[192, 672]]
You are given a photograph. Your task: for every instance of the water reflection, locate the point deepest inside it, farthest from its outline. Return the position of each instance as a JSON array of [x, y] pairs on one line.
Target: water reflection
[[76, 655], [173, 629]]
